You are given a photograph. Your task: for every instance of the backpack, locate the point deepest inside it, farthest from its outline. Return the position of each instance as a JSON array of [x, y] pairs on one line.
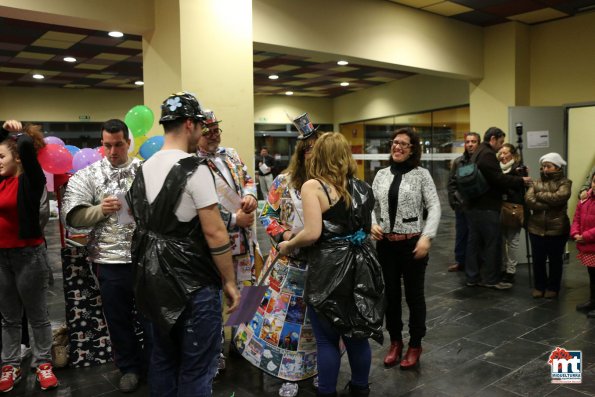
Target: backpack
[[470, 181]]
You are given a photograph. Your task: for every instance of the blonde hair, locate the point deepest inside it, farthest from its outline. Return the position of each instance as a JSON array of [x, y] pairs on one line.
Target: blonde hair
[[333, 163]]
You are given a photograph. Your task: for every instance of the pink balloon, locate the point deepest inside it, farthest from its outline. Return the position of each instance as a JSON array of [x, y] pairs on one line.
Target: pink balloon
[[53, 139], [101, 150], [54, 158], [84, 158]]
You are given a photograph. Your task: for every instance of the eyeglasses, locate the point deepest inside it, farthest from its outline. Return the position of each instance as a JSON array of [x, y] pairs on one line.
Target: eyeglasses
[[212, 132], [403, 145]]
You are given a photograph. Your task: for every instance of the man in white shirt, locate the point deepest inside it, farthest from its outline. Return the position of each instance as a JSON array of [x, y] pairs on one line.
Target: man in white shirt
[[181, 251]]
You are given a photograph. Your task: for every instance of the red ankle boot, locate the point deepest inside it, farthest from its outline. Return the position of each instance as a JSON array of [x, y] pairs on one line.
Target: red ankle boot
[[411, 357], [394, 353]]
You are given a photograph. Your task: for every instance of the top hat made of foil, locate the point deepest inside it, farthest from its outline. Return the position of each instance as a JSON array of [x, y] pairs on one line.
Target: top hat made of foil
[[181, 105], [304, 126]]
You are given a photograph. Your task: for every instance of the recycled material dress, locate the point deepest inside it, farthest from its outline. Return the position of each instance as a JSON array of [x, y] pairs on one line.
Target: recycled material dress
[[279, 338]]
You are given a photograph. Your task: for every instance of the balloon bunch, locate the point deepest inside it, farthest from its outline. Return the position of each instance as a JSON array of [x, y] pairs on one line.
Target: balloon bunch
[[139, 120], [58, 158]]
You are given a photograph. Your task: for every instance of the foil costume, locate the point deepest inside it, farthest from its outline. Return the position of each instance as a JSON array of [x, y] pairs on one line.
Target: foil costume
[[109, 241]]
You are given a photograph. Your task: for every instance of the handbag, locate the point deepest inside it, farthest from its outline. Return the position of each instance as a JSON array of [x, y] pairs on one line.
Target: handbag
[[512, 215]]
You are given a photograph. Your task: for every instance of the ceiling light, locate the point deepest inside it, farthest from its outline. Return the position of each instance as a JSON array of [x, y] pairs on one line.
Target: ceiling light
[[342, 63], [288, 92], [344, 84], [273, 77], [38, 76], [138, 82], [69, 59], [116, 34]]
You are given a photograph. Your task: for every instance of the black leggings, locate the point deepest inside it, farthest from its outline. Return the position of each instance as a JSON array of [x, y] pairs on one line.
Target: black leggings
[[592, 281], [396, 259]]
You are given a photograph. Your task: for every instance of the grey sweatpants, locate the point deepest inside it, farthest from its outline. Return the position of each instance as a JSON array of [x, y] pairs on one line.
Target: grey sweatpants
[[24, 285]]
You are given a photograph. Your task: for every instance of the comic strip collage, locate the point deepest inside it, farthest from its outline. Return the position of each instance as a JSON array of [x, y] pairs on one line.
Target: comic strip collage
[[279, 339]]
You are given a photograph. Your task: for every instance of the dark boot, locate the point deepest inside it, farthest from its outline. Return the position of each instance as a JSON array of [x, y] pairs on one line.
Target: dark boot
[[394, 353], [508, 278], [586, 306], [334, 394], [411, 357], [357, 391]]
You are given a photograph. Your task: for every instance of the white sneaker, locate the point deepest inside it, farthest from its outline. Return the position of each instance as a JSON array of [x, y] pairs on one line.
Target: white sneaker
[[289, 389], [25, 352]]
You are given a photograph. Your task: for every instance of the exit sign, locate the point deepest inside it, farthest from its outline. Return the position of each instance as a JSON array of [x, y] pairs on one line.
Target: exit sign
[[85, 117]]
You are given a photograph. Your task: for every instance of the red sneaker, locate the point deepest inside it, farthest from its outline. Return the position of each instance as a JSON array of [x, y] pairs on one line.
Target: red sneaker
[[10, 377], [46, 377]]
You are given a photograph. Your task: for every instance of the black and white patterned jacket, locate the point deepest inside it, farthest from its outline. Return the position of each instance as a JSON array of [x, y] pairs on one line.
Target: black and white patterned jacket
[[417, 190]]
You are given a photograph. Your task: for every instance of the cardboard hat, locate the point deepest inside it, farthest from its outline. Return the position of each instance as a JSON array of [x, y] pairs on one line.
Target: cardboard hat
[[210, 118], [181, 105], [304, 126]]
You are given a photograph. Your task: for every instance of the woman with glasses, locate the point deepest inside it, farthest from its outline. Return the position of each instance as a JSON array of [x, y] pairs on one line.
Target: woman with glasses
[[23, 268], [402, 191], [283, 307]]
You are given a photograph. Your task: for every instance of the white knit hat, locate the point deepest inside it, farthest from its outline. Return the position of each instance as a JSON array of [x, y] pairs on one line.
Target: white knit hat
[[553, 158]]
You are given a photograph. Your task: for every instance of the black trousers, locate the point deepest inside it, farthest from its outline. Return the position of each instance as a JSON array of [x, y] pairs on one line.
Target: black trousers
[[396, 259]]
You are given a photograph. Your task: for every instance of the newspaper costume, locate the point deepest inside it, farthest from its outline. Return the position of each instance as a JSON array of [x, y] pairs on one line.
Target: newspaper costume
[[279, 339], [232, 183]]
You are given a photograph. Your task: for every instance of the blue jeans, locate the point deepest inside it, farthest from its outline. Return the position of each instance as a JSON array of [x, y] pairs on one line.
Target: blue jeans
[[547, 249], [461, 237], [117, 296], [184, 362], [485, 241], [329, 355]]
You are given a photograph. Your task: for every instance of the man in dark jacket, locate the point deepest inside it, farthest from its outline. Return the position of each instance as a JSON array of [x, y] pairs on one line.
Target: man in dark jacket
[[483, 214], [455, 200], [265, 168]]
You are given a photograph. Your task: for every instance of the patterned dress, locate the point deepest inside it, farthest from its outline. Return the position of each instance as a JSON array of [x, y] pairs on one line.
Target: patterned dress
[[279, 339]]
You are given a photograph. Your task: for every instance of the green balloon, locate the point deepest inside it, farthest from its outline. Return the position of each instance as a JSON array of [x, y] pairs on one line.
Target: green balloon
[[139, 120]]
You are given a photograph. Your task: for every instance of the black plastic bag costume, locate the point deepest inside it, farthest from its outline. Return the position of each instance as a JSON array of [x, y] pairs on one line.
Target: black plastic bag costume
[[344, 282], [171, 258]]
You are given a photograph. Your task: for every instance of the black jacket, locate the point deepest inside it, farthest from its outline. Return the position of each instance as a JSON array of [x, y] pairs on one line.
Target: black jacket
[[455, 200], [499, 182], [269, 161], [31, 184]]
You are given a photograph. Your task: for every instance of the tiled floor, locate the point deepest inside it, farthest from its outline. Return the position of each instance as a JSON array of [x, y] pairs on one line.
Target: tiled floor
[[480, 342]]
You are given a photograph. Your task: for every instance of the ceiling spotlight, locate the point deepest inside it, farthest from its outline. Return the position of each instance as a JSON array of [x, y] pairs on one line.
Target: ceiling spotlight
[[344, 84], [273, 77], [38, 76], [288, 92], [139, 83], [69, 59], [342, 63], [116, 34]]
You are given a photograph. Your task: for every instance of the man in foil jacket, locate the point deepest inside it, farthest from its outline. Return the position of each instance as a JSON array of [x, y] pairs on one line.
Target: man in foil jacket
[[93, 197]]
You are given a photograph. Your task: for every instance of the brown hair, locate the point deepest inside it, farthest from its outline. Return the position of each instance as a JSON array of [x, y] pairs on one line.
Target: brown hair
[[297, 164], [34, 131], [333, 163], [415, 159], [515, 154]]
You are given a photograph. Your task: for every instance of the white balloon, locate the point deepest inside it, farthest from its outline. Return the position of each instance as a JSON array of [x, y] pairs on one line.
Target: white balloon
[[131, 137]]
